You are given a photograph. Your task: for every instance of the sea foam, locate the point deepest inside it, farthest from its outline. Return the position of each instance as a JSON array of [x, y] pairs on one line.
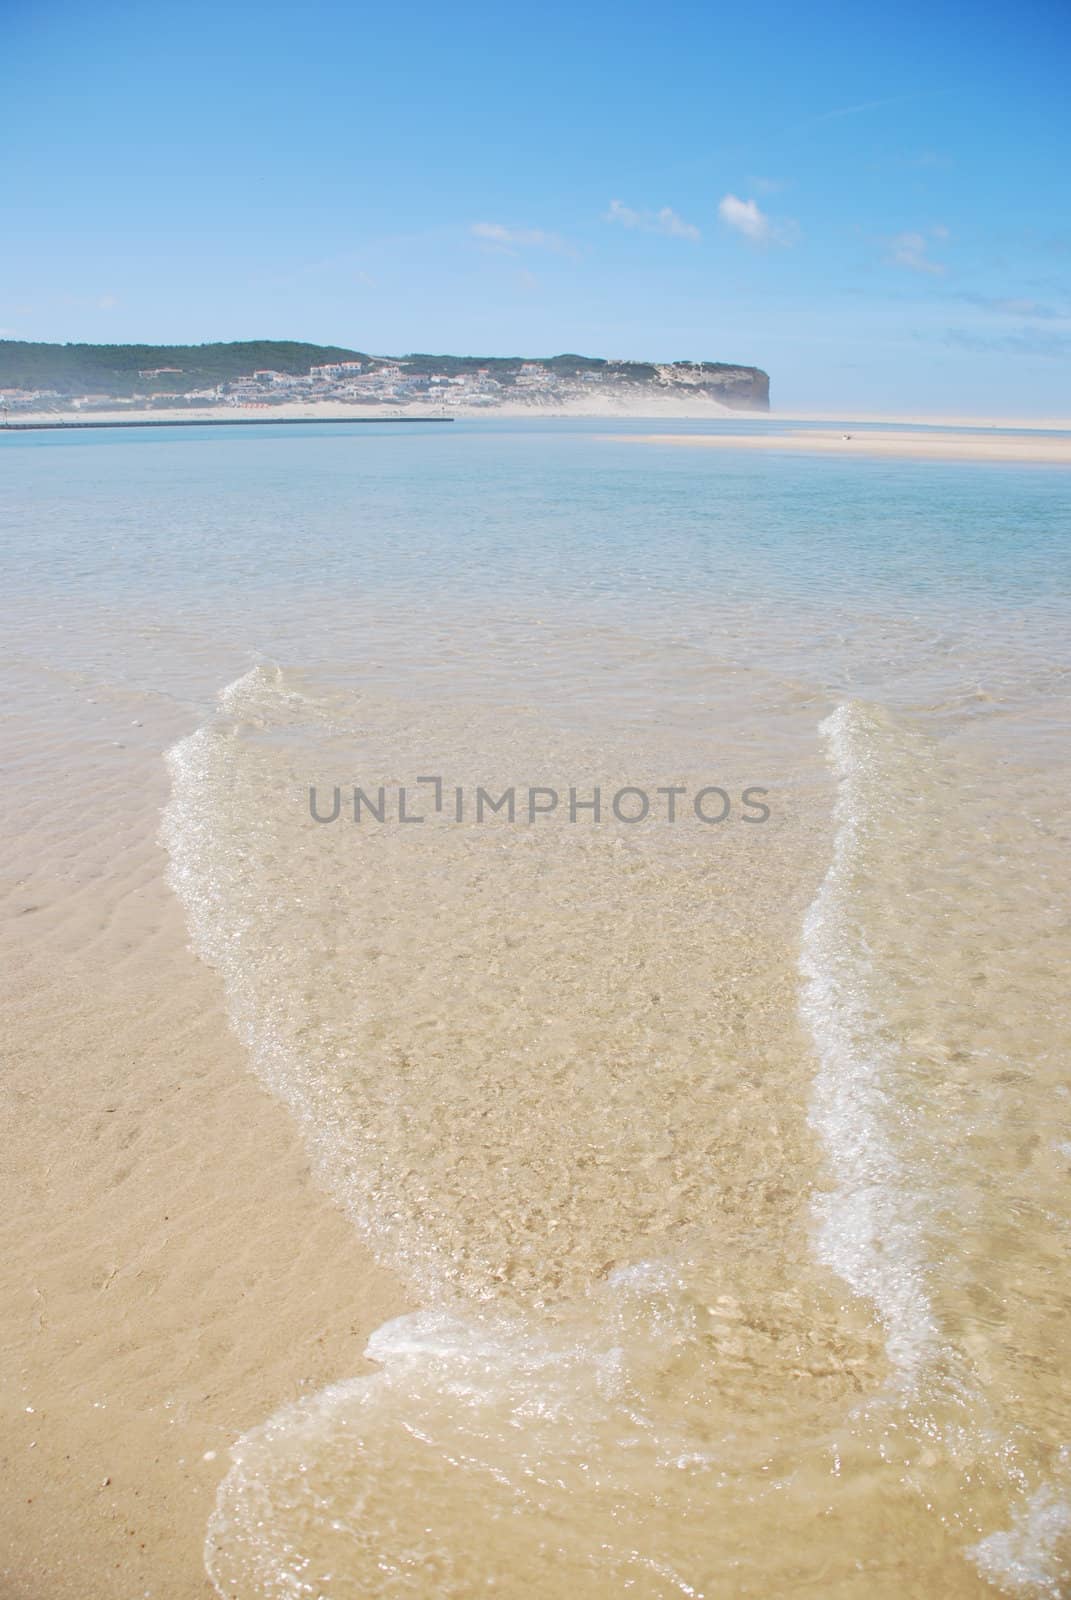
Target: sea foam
[[868, 1221]]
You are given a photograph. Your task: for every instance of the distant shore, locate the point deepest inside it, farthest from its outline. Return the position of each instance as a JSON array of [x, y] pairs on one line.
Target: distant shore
[[72, 424], [944, 445], [663, 408]]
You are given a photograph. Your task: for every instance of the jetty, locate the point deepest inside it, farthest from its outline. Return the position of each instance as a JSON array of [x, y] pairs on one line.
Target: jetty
[[61, 425]]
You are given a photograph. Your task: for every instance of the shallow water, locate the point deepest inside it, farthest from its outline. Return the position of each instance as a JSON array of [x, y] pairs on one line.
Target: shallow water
[[728, 1159]]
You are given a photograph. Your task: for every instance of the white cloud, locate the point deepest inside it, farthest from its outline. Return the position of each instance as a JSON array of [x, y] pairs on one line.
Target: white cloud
[[911, 250], [500, 236], [746, 217], [664, 221]]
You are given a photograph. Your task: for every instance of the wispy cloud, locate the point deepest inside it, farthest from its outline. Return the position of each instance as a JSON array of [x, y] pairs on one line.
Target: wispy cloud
[[1017, 306], [504, 237], [1023, 342], [664, 221], [911, 250], [747, 218], [854, 110]]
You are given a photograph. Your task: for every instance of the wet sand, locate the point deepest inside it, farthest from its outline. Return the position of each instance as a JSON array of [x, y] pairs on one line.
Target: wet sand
[[169, 1271]]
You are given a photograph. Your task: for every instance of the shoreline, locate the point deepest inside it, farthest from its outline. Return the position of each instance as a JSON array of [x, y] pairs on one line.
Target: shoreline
[[341, 411]]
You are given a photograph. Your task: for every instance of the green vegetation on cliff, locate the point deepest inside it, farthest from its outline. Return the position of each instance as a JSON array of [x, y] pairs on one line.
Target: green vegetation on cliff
[[113, 369]]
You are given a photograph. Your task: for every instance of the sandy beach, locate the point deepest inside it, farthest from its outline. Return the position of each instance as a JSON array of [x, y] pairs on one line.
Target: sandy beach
[[170, 1271], [946, 445]]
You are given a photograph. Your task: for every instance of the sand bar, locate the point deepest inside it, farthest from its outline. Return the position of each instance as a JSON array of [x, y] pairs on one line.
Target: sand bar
[[946, 445]]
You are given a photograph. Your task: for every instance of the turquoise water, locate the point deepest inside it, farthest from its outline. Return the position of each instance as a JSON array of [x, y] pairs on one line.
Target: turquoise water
[[561, 512], [915, 581]]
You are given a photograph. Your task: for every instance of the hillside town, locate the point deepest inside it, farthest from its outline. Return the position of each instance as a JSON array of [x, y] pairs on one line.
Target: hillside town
[[400, 383]]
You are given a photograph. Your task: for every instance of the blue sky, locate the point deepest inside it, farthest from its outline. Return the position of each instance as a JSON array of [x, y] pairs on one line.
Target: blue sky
[[873, 203]]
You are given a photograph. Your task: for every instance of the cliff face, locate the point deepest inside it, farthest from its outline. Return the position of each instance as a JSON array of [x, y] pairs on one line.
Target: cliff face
[[741, 388]]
